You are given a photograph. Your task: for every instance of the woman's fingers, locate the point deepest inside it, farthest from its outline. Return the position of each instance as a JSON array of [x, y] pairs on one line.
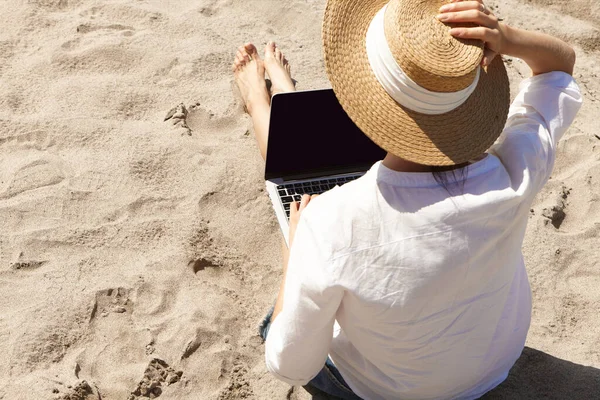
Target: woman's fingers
[[293, 210], [480, 33], [469, 16], [462, 6], [467, 12], [304, 202], [488, 56], [297, 207], [488, 29]]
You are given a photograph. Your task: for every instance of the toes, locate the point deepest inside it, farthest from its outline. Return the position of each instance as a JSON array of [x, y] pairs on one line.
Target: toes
[[247, 56], [251, 50], [244, 55], [286, 65], [240, 62], [237, 55], [270, 49]]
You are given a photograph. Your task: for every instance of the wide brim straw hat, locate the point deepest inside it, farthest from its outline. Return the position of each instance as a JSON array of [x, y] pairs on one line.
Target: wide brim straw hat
[[429, 57]]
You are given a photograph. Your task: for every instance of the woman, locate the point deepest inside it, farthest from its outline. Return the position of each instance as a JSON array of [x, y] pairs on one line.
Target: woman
[[398, 286]]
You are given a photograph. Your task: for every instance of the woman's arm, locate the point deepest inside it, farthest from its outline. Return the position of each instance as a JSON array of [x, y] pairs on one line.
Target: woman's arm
[[295, 212], [302, 323], [543, 53]]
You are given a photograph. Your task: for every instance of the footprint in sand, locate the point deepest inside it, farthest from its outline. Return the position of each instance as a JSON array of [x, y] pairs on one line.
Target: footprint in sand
[[213, 7], [54, 5], [85, 28], [111, 301], [82, 29], [22, 263], [29, 176], [197, 120], [200, 264], [113, 12], [157, 374], [202, 255], [32, 138], [97, 47], [7, 48], [81, 391], [239, 383], [178, 116], [556, 214]]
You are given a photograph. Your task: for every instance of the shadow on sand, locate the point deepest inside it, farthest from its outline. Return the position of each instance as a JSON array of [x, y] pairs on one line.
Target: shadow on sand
[[538, 375]]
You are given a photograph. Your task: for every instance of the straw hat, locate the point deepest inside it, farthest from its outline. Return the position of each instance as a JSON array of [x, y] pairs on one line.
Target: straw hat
[[413, 89]]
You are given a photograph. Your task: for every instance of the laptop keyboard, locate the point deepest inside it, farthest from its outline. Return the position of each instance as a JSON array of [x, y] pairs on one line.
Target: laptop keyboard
[[291, 192]]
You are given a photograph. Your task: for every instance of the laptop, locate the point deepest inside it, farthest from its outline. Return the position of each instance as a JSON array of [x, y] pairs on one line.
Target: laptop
[[313, 146]]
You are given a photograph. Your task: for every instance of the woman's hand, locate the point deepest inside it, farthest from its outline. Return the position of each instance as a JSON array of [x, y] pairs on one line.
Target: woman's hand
[[543, 53], [489, 30], [295, 212]]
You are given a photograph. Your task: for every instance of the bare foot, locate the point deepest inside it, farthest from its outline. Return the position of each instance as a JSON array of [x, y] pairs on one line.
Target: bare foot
[[249, 72], [279, 71]]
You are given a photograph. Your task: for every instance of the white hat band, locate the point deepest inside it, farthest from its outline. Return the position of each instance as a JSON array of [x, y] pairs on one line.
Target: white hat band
[[399, 85]]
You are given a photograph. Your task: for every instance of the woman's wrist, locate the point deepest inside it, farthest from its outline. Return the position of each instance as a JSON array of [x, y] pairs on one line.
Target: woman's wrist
[[508, 43], [517, 42], [543, 53]]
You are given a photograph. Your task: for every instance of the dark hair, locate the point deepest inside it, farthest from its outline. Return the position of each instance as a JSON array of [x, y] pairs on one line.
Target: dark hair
[[452, 178]]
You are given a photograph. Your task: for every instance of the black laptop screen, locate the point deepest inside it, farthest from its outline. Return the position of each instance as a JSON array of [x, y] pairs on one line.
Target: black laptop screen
[[311, 134]]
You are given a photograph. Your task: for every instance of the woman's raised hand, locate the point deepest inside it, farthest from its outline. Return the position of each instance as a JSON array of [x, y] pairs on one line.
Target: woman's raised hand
[[489, 30]]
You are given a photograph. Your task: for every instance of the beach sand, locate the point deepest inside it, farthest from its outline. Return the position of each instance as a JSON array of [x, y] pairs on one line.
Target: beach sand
[[138, 253]]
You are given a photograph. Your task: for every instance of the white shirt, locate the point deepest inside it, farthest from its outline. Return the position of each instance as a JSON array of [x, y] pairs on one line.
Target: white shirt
[[412, 292]]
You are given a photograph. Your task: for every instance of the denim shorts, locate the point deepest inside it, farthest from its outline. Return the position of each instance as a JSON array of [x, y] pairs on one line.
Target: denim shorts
[[328, 382]]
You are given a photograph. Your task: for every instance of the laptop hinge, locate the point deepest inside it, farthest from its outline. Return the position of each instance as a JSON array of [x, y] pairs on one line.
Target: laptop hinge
[[321, 173]]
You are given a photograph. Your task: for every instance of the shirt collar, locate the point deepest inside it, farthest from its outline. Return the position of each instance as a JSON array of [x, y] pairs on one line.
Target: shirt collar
[[426, 179]]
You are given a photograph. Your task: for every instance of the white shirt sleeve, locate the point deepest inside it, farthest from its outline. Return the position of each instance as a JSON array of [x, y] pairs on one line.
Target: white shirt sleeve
[[298, 342], [539, 116]]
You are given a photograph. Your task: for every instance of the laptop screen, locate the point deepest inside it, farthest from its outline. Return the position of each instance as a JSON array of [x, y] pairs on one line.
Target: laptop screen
[[310, 134]]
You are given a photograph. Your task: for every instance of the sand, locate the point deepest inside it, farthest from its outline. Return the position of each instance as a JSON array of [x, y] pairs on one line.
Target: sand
[[137, 255]]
